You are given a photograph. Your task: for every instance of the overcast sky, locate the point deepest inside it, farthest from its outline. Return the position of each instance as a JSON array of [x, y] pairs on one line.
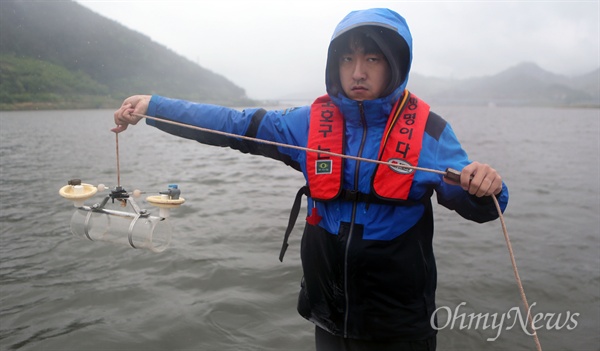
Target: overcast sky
[[276, 49]]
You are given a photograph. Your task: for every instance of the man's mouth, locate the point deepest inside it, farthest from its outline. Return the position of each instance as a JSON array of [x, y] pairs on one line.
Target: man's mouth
[[358, 88]]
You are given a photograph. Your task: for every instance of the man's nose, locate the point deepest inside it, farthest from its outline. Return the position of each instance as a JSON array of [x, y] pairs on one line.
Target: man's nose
[[358, 73]]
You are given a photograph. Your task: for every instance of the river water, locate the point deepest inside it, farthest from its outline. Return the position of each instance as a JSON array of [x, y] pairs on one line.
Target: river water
[[220, 286]]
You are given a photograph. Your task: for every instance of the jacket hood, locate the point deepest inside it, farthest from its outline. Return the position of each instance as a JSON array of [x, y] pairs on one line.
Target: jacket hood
[[391, 33]]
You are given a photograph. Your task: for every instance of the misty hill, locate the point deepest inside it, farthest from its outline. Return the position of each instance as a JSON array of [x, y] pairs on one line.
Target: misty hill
[[523, 85], [60, 54]]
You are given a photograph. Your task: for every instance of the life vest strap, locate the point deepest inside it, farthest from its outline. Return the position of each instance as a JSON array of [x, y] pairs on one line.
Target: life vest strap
[[346, 195], [292, 221], [355, 196]]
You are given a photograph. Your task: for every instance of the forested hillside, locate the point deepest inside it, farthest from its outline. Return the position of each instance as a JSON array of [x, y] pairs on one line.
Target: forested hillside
[[59, 54]]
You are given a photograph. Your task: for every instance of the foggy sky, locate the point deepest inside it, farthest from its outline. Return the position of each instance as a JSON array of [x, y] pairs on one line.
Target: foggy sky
[[277, 49]]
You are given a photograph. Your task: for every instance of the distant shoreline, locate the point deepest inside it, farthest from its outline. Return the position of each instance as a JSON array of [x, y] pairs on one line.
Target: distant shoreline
[[36, 106], [51, 106], [85, 105]]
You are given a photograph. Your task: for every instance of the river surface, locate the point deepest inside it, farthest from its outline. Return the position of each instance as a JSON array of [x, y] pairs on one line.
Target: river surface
[[220, 285]]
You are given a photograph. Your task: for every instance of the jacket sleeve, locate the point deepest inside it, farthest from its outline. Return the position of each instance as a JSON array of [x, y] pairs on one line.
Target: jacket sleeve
[[450, 154], [255, 123]]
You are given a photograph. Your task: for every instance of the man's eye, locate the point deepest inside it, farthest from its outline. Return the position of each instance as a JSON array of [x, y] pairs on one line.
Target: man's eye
[[346, 59]]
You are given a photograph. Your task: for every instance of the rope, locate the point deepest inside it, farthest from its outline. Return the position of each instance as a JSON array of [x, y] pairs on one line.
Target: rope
[[391, 164], [268, 142], [118, 167], [538, 346]]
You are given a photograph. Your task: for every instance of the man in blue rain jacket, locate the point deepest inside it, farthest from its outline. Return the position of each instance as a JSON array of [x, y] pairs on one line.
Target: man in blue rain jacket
[[369, 269]]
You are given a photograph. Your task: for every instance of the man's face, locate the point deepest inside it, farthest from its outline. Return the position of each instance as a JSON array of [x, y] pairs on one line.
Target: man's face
[[363, 76]]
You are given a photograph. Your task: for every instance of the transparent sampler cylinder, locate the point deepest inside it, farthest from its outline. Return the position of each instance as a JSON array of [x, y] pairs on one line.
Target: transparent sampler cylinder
[[122, 228]]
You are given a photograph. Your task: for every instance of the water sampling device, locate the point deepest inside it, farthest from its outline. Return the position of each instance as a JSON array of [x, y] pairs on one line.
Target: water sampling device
[[105, 221]]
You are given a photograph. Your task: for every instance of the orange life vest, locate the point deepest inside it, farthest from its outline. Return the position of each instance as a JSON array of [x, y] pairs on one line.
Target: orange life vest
[[400, 144]]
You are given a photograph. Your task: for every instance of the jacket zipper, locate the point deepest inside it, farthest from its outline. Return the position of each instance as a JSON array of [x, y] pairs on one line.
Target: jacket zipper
[[353, 218]]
